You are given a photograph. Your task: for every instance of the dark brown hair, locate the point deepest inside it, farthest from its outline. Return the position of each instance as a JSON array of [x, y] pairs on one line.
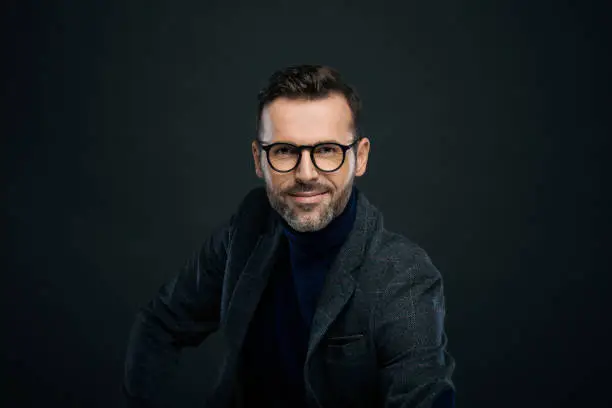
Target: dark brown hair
[[310, 82]]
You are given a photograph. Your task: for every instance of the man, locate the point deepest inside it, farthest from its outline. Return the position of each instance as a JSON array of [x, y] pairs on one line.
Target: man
[[304, 296]]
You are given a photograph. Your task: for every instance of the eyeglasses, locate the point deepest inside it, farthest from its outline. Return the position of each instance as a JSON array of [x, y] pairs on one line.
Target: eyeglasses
[[327, 157]]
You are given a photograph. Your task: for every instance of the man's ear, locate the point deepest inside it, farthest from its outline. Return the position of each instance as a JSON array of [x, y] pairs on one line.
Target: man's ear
[[363, 152], [256, 159]]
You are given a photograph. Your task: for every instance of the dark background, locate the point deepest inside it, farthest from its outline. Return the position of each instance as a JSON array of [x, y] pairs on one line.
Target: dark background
[[126, 139]]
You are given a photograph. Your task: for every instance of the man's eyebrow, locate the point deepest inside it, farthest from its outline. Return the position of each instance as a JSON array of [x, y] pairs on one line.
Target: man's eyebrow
[[329, 141]]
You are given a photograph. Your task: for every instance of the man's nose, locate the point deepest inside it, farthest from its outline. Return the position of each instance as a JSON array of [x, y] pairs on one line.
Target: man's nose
[[306, 170]]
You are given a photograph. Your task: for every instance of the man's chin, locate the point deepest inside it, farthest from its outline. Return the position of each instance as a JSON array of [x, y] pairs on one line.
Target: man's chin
[[306, 225], [310, 221]]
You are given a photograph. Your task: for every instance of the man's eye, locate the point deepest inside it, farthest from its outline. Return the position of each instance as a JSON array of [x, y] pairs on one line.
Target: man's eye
[[328, 150], [283, 151]]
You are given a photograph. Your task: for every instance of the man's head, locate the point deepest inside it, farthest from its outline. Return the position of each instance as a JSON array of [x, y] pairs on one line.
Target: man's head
[[308, 105]]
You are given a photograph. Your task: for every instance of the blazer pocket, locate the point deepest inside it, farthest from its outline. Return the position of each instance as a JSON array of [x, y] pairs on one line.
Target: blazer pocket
[[345, 347], [343, 340]]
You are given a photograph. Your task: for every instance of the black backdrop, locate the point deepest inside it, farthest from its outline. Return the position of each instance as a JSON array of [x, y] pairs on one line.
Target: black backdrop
[[126, 137]]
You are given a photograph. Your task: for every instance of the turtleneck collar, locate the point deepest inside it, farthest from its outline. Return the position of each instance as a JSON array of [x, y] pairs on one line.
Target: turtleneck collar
[[332, 236]]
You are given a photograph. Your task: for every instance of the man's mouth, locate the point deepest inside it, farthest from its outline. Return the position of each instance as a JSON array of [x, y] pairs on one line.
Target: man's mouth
[[308, 197]]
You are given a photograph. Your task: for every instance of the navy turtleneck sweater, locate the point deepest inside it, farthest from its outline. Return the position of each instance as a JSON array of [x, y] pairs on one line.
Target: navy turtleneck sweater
[[275, 348]]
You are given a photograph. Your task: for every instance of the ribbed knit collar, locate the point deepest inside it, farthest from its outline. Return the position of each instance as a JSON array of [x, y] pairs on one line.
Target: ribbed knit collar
[[330, 237]]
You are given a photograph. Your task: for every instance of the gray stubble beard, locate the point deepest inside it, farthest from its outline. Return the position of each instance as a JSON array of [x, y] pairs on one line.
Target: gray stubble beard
[[329, 213]]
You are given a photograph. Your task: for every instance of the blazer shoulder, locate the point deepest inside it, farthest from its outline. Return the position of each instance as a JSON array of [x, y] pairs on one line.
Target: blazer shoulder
[[254, 199], [398, 254], [253, 212]]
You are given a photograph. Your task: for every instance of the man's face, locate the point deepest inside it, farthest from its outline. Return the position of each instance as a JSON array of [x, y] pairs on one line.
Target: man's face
[[303, 122]]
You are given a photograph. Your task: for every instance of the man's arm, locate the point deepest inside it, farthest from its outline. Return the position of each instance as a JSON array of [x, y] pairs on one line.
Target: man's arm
[[415, 368], [182, 314]]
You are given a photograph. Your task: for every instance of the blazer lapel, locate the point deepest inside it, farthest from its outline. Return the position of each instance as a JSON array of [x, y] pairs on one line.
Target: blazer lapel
[[339, 283], [337, 290], [339, 287], [250, 287]]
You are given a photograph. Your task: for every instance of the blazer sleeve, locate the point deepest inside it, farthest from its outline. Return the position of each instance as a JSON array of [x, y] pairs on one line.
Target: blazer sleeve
[[183, 313], [415, 368]]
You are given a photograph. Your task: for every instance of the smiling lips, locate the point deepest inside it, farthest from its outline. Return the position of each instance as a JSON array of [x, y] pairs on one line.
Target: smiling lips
[[310, 197]]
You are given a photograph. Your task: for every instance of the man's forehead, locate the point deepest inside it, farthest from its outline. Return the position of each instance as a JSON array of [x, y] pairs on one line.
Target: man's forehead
[[307, 121]]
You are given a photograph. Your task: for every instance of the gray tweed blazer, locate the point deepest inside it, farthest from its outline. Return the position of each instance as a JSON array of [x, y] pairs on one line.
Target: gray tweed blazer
[[377, 337]]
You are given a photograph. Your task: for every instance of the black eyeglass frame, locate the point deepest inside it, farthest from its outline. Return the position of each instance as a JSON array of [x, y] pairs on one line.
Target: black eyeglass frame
[[312, 148]]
